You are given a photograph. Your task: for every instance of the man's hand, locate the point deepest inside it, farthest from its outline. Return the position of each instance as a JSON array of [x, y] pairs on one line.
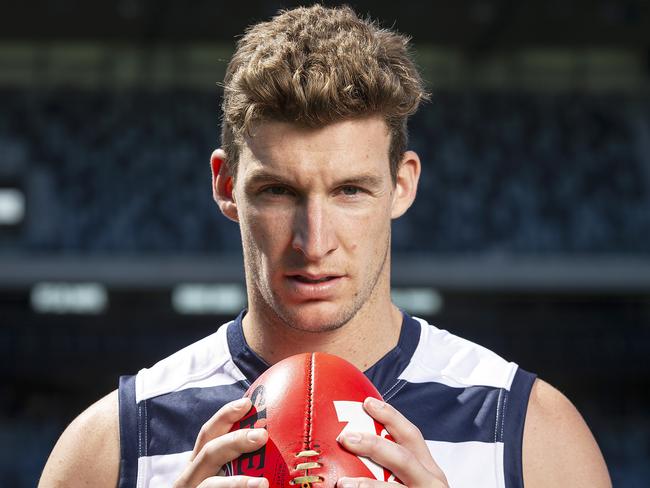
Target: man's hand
[[216, 445], [408, 457]]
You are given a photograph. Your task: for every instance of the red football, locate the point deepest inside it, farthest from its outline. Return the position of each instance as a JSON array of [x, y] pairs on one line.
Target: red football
[[305, 402]]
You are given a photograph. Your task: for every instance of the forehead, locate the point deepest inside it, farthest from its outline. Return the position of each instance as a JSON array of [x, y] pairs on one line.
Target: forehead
[[344, 146]]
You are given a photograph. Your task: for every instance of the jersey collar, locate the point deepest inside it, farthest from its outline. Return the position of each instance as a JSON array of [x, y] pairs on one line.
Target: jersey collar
[[384, 373]]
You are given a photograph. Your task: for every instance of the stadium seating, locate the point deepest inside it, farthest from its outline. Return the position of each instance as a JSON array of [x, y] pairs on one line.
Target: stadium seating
[[126, 172]]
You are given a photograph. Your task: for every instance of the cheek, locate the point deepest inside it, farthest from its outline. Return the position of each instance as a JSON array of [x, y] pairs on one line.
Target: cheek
[[268, 230], [364, 232]]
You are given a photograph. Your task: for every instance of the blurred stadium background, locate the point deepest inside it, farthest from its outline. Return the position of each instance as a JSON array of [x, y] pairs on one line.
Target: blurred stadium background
[[530, 235]]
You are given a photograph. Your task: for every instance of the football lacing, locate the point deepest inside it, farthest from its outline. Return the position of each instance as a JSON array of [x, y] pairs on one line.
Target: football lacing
[[307, 480], [307, 453]]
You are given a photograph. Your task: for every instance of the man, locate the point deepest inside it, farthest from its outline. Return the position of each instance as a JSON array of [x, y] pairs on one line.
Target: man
[[314, 167]]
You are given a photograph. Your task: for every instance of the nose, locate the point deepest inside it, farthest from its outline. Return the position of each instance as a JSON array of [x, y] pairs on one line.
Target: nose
[[314, 233]]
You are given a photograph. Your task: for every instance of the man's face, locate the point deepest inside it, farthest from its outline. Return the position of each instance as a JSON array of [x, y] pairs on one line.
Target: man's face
[[314, 207]]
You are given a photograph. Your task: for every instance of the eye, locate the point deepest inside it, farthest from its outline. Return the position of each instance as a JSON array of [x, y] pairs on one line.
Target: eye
[[276, 190], [350, 190]]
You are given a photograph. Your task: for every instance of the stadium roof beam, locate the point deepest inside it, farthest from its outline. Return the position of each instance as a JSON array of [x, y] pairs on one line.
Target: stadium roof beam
[[595, 274]]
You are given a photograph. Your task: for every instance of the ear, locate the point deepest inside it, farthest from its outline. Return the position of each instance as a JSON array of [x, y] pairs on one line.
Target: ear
[[222, 185], [406, 184]]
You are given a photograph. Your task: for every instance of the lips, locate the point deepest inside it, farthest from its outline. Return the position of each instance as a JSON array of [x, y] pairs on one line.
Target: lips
[[308, 279], [312, 286]]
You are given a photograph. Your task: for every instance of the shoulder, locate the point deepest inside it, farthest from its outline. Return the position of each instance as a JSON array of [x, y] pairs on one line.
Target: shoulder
[[92, 436], [558, 447]]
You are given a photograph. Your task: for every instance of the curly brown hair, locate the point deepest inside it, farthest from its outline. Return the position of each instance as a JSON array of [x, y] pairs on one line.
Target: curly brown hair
[[316, 65]]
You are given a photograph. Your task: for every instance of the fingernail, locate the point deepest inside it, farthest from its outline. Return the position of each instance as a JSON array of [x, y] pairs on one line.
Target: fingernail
[[254, 435], [352, 437], [255, 482], [374, 403], [240, 403]]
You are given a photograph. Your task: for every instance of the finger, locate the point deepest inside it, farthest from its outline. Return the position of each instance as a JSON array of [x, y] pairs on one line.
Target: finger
[[221, 422], [392, 456], [234, 482], [401, 430], [365, 483], [219, 451]]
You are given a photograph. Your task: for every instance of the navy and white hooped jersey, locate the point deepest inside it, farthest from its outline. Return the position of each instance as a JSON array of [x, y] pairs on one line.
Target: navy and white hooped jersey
[[469, 403]]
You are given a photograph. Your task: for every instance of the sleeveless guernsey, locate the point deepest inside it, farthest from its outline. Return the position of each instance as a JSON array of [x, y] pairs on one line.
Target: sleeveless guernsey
[[469, 403]]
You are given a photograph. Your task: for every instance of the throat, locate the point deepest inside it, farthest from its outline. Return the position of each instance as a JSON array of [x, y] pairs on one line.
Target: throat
[[360, 342]]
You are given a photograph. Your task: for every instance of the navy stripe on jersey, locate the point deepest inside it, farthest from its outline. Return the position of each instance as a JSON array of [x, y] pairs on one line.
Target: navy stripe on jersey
[[128, 433], [461, 414], [453, 414], [514, 428], [190, 408]]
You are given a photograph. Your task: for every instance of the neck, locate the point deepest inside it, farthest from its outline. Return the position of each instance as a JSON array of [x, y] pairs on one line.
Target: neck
[[367, 337]]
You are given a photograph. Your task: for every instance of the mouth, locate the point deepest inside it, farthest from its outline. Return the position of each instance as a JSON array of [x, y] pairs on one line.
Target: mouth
[[311, 279], [314, 286]]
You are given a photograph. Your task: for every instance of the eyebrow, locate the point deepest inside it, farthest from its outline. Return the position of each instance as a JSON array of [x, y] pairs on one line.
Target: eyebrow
[[366, 180], [261, 176]]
